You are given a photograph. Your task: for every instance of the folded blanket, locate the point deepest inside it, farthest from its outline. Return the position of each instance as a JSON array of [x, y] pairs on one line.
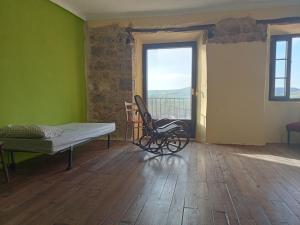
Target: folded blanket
[[30, 131]]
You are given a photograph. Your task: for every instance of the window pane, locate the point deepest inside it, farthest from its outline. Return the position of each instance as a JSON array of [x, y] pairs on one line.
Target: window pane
[[295, 69], [280, 87], [280, 69], [169, 82], [281, 49]]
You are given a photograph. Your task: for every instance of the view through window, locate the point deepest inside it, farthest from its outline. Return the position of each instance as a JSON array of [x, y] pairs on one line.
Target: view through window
[[285, 68], [295, 69], [169, 82]]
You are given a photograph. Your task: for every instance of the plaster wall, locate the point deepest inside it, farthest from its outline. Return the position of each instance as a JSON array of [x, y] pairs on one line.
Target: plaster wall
[[278, 114], [238, 109], [235, 94]]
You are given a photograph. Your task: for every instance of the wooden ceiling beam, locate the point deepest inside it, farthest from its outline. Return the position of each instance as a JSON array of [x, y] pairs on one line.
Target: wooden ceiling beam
[[277, 21]]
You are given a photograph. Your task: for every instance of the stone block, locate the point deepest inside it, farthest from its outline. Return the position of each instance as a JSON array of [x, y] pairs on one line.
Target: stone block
[[235, 30], [109, 78]]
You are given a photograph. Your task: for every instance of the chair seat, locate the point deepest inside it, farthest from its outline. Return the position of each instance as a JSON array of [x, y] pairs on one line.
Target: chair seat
[[162, 130], [293, 126]]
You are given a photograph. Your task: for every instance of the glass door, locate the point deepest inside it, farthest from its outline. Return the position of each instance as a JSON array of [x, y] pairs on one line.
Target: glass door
[[169, 81]]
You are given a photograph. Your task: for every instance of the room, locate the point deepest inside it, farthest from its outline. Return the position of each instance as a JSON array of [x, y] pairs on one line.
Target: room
[[225, 74]]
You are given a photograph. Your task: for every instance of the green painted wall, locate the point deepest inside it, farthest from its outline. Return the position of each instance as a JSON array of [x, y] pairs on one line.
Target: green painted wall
[[41, 64]]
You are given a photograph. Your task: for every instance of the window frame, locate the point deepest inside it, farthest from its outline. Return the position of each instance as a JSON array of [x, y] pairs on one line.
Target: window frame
[[170, 45], [274, 39]]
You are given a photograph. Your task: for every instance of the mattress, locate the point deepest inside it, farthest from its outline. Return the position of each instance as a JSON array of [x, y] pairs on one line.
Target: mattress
[[73, 134]]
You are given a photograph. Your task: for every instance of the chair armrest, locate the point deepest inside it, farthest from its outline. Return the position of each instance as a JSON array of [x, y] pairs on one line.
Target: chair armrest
[[162, 122], [169, 124]]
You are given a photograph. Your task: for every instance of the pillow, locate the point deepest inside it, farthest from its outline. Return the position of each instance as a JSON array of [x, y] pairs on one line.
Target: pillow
[[50, 131], [29, 131]]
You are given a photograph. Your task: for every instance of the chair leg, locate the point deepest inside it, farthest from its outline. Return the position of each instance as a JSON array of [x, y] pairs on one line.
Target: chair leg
[[13, 164], [108, 141], [126, 131], [288, 137], [133, 128], [4, 165], [138, 131], [70, 158]]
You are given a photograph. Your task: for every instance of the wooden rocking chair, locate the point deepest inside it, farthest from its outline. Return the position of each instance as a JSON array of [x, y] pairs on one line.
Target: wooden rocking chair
[[161, 136]]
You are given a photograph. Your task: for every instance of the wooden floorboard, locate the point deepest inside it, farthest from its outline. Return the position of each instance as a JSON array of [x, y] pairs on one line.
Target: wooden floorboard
[[202, 185]]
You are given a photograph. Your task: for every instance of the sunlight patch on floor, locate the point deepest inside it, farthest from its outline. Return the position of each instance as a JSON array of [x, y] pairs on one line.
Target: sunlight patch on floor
[[273, 158]]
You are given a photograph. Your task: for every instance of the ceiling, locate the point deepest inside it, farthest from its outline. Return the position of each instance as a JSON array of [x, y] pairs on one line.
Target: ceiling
[[112, 9]]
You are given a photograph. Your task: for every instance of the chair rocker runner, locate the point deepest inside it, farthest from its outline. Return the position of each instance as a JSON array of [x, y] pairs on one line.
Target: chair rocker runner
[[161, 136]]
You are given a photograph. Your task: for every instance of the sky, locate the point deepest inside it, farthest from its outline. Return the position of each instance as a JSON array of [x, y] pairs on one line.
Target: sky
[[295, 68], [169, 69], [281, 64]]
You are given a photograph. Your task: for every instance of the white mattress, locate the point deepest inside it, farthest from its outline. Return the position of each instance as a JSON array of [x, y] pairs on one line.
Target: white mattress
[[73, 134]]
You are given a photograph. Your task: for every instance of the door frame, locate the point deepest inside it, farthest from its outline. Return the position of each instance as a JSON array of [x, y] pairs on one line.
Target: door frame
[[193, 45]]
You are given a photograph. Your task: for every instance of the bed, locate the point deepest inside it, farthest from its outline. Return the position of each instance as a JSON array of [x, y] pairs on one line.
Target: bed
[[73, 135]]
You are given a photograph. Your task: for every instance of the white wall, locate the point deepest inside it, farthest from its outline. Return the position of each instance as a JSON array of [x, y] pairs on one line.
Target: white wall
[[278, 114], [238, 110], [235, 94], [167, 37], [201, 91]]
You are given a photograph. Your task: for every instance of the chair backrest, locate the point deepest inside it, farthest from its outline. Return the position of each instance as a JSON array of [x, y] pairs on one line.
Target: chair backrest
[[146, 116], [131, 112]]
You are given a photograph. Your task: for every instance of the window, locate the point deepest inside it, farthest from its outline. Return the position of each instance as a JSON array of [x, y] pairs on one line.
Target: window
[[169, 79], [285, 68]]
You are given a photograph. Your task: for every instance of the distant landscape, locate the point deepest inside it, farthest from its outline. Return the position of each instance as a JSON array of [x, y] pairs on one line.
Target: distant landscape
[[186, 93], [176, 104], [173, 104], [294, 92], [177, 93]]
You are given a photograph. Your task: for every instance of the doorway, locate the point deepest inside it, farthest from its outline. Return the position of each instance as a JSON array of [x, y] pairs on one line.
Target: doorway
[[169, 81]]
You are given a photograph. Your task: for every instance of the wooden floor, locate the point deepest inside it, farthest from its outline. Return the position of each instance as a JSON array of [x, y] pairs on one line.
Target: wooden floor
[[204, 184]]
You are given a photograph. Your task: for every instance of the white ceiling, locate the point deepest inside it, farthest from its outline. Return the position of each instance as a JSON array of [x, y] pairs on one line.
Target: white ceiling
[[110, 9]]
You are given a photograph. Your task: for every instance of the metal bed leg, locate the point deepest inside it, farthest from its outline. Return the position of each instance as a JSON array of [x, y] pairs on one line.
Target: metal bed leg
[[4, 165], [70, 158], [108, 141], [13, 165]]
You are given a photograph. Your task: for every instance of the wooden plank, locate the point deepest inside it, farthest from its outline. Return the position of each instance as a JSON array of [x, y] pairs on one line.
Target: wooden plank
[[204, 184], [201, 216]]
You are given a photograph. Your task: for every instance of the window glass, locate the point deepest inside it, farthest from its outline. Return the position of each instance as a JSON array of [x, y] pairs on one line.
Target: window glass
[[281, 49], [169, 82], [280, 89], [295, 69], [280, 69]]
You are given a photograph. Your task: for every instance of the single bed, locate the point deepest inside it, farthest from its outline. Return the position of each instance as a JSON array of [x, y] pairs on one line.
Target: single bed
[[73, 135]]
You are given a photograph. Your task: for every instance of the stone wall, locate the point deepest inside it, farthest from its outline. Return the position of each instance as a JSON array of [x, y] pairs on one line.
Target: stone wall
[[109, 75], [235, 30], [109, 63]]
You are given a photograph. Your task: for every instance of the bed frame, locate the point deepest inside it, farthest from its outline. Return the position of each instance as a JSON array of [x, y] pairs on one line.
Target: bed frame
[[69, 149]]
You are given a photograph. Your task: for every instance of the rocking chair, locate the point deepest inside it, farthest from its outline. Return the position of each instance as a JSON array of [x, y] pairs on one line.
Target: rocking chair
[[161, 136]]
